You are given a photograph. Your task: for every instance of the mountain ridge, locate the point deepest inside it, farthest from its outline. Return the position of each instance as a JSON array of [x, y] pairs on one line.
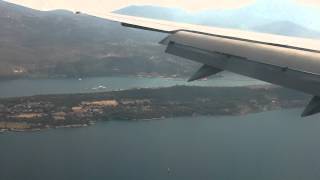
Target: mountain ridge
[[62, 44]]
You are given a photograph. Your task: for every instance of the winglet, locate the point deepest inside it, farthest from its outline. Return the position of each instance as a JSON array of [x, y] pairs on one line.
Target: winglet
[[313, 107], [204, 71]]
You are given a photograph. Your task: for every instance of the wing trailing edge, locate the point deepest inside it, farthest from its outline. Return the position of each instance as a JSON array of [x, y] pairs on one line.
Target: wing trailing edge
[[286, 61]]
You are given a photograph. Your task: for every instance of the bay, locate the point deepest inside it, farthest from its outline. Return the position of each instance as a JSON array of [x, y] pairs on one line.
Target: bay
[[270, 145], [29, 87]]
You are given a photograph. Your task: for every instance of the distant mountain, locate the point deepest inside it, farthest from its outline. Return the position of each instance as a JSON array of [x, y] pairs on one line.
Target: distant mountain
[[212, 18], [62, 44], [259, 13], [287, 28]]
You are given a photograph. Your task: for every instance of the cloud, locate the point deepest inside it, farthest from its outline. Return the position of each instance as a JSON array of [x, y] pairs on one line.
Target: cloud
[[101, 6]]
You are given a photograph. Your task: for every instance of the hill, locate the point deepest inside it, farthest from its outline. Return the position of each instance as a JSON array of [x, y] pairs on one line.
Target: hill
[[61, 44]]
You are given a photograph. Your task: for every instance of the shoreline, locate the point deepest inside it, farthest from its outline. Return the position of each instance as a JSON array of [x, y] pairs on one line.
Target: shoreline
[[93, 123], [36, 113], [178, 77], [46, 128]]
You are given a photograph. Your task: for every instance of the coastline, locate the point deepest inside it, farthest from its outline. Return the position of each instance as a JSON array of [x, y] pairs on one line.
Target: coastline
[[37, 113]]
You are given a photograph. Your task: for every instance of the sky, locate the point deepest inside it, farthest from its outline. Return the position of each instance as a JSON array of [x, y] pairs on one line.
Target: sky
[[111, 5], [102, 6], [302, 12], [310, 2]]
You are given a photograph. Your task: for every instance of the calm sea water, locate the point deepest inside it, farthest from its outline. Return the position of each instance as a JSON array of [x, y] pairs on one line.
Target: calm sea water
[[56, 86], [272, 145]]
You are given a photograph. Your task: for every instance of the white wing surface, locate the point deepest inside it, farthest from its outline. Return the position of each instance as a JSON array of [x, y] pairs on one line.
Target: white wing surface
[[287, 61]]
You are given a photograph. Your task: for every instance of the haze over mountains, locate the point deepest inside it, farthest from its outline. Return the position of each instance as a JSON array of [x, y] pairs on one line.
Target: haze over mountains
[[261, 12], [62, 44]]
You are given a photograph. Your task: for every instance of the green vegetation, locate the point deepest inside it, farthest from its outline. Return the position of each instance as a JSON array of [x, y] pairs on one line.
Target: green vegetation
[[53, 44], [47, 111]]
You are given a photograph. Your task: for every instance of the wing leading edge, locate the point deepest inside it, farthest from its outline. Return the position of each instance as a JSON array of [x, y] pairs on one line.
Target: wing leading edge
[[286, 61]]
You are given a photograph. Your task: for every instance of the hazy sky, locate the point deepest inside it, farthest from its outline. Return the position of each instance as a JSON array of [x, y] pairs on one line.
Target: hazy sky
[[109, 5], [101, 6], [310, 2]]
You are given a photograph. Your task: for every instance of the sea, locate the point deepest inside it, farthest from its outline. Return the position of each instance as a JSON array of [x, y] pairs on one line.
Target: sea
[[275, 145], [29, 87]]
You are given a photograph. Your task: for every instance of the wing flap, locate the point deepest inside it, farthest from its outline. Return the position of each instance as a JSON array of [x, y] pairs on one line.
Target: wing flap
[[204, 71], [278, 56], [313, 107], [287, 61]]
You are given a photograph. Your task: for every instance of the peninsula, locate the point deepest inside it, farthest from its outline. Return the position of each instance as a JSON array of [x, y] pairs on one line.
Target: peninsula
[[77, 110]]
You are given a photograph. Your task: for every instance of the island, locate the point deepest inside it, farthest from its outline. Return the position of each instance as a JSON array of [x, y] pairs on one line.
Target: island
[[78, 110]]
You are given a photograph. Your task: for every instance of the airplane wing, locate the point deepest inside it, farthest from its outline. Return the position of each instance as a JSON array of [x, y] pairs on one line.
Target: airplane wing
[[286, 61]]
